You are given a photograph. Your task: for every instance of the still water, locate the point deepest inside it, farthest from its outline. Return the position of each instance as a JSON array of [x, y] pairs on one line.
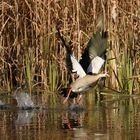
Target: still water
[[112, 118]]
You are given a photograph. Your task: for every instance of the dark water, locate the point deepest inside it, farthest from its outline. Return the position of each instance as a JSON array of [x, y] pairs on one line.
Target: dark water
[[111, 118]]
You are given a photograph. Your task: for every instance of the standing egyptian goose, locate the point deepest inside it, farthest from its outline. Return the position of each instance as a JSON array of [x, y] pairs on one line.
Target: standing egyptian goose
[[89, 65]]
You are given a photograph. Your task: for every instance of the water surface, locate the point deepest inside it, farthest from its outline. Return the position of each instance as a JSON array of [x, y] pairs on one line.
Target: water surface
[[111, 118]]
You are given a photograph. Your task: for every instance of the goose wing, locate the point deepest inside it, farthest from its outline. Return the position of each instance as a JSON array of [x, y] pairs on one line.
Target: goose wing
[[72, 63], [76, 67], [95, 65], [94, 54]]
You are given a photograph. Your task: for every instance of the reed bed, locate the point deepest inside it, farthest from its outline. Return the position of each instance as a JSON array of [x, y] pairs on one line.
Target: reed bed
[[31, 53]]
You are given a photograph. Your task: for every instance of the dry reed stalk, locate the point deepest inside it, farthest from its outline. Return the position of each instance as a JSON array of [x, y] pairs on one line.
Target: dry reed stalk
[[28, 29]]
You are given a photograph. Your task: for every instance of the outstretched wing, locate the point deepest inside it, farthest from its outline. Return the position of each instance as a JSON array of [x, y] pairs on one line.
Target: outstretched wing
[[76, 67], [95, 65], [72, 63], [97, 46]]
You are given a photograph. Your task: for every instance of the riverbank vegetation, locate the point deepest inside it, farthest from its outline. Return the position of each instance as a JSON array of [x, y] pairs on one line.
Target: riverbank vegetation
[[31, 53]]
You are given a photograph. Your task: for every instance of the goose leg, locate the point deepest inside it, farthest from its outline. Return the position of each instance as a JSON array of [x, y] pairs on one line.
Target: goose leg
[[79, 99], [65, 100]]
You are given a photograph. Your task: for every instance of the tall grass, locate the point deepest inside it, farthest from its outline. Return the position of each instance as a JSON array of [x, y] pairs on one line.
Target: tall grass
[[28, 73], [30, 51]]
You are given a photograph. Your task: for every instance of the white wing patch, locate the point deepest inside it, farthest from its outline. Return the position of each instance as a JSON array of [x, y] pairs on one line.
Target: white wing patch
[[77, 67], [95, 65]]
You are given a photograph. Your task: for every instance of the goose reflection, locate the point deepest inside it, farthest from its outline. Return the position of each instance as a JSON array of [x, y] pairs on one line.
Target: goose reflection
[[72, 120]]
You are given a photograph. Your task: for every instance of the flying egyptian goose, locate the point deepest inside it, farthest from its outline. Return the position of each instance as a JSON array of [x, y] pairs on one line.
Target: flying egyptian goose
[[89, 65]]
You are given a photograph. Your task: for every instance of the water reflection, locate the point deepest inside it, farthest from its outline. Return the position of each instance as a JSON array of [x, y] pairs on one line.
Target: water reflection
[[71, 120], [114, 118], [24, 117], [1, 103]]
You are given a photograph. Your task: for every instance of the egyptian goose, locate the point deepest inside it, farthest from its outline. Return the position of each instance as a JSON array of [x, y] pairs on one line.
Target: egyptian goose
[[89, 65]]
